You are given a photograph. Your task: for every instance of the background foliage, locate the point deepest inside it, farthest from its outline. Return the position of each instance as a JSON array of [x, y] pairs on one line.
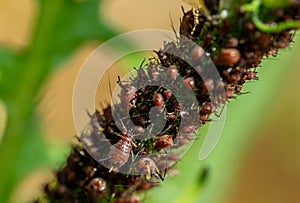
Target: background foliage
[[258, 147]]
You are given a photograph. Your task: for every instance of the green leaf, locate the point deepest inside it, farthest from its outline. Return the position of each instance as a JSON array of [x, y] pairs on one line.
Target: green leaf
[[61, 27]]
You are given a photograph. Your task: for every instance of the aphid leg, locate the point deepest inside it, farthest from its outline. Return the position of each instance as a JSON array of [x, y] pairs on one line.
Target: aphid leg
[[222, 109], [173, 27], [104, 159]]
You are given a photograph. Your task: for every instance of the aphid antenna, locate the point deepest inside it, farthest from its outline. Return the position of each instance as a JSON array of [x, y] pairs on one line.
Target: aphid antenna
[[142, 63], [158, 176], [183, 11], [88, 113], [222, 109], [241, 93], [293, 36], [110, 89], [173, 27], [104, 159], [161, 133], [111, 169], [119, 82]]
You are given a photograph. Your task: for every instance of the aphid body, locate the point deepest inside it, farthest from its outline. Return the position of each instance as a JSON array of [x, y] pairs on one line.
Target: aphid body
[[120, 151], [148, 167], [97, 186]]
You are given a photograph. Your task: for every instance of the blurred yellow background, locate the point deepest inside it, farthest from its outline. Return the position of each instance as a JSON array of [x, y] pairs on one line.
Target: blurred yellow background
[[271, 170]]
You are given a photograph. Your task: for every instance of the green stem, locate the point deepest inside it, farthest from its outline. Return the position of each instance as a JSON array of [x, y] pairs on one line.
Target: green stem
[[253, 7], [35, 70]]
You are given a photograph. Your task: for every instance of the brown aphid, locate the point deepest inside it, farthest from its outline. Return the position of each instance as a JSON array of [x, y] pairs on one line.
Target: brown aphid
[[148, 167], [263, 39], [158, 100], [173, 157], [172, 72], [97, 186], [208, 39], [96, 120], [142, 76], [141, 121], [163, 142], [207, 86], [128, 199], [153, 73], [282, 43], [230, 90], [232, 43], [189, 82], [249, 27], [228, 56], [186, 23], [188, 128], [192, 21], [167, 94], [144, 186], [234, 77], [197, 53], [120, 152], [251, 75], [138, 130], [128, 95], [204, 118], [207, 108], [171, 116], [90, 171]]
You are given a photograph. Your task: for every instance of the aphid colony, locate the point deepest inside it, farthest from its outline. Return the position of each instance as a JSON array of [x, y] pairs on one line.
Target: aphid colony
[[234, 44]]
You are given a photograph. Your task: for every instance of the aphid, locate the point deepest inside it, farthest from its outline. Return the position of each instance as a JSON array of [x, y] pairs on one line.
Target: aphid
[[230, 90], [153, 72], [172, 72], [207, 86], [148, 167], [189, 82], [207, 108], [142, 76], [129, 199], [228, 56], [162, 142], [208, 39], [158, 100], [234, 77], [167, 94], [94, 127], [232, 43], [192, 22], [96, 120], [249, 27], [128, 94], [97, 186], [284, 40], [197, 52], [251, 75], [204, 118], [90, 171], [120, 152]]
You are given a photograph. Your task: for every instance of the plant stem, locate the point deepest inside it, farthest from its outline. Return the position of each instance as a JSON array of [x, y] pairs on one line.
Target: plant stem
[[35, 69]]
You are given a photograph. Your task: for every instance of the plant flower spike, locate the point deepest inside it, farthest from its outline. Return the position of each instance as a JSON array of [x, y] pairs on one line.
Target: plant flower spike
[[126, 162]]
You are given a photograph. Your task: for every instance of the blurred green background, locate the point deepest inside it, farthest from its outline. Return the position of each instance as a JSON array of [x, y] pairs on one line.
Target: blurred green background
[[257, 158]]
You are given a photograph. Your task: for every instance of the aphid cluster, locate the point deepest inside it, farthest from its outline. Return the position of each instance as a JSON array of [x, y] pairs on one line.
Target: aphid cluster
[[234, 44]]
